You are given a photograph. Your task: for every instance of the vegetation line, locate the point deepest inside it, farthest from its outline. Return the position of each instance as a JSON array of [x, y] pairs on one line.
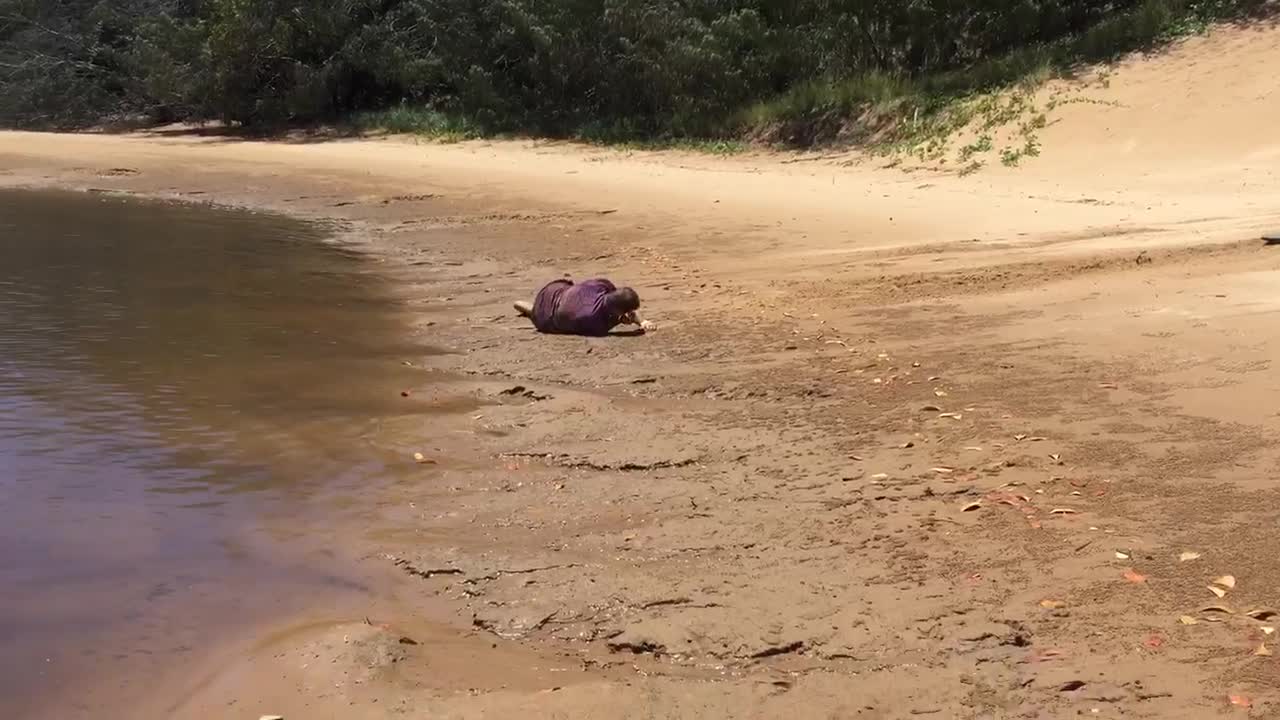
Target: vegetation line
[[711, 75]]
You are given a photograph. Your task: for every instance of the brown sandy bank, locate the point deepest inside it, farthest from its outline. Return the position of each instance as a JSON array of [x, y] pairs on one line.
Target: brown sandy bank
[[893, 452]]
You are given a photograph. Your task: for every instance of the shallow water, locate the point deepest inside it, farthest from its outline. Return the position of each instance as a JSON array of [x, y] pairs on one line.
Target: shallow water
[[173, 382]]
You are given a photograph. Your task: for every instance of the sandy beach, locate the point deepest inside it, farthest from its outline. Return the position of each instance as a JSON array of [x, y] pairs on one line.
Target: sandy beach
[[906, 443]]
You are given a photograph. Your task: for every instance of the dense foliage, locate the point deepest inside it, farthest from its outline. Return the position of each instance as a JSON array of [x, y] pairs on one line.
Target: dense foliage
[[602, 67]]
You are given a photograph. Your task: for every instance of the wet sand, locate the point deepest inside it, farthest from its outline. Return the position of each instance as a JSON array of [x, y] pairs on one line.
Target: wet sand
[[905, 444]]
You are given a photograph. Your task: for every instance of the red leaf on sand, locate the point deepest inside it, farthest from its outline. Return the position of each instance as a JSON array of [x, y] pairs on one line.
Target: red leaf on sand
[[1239, 701], [1154, 641], [1134, 576]]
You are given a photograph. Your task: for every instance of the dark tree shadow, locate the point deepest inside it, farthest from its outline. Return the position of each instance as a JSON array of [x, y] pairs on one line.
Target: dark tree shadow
[[301, 135], [630, 333]]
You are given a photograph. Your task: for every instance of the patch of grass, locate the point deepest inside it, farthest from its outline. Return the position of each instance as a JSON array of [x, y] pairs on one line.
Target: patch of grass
[[816, 111], [423, 122], [982, 145], [624, 135], [707, 147], [825, 95], [445, 127]]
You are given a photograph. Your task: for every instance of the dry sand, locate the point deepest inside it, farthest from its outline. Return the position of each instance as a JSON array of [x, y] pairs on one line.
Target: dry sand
[[906, 443]]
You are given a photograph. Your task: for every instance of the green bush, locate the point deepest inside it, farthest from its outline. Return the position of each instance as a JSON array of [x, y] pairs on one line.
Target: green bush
[[607, 70]]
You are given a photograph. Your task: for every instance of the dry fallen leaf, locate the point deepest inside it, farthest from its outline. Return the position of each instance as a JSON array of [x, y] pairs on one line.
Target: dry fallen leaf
[[1217, 590], [880, 476], [1063, 511], [1037, 438], [1184, 557], [1268, 630], [974, 448], [1019, 437], [1107, 386], [943, 470], [1218, 608], [1239, 701], [940, 393], [1052, 604], [953, 416], [1134, 576], [971, 506], [1226, 581], [1188, 620], [856, 457], [1262, 651], [1262, 614], [930, 408], [1121, 556]]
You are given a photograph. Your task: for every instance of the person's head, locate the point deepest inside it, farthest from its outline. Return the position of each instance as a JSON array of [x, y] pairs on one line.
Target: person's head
[[622, 301]]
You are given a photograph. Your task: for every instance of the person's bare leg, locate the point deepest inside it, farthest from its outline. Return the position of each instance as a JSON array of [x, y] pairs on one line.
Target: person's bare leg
[[524, 308]]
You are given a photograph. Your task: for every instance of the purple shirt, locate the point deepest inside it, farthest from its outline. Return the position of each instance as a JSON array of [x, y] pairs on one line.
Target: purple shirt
[[574, 309]]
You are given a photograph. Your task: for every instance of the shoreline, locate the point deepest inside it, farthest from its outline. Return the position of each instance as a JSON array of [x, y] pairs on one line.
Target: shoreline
[[243, 564], [749, 508]]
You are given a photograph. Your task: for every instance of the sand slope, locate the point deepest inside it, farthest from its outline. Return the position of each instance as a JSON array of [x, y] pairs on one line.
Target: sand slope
[[1203, 109]]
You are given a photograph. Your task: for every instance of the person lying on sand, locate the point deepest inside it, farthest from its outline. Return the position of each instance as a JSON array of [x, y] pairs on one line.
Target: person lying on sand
[[591, 307]]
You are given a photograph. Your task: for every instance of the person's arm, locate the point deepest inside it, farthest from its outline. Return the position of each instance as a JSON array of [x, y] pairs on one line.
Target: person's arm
[[633, 318]]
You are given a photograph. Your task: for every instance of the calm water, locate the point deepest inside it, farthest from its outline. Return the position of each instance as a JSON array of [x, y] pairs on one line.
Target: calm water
[[178, 386]]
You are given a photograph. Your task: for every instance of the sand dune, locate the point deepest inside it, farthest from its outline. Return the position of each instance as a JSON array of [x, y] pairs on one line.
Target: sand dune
[[1204, 108]]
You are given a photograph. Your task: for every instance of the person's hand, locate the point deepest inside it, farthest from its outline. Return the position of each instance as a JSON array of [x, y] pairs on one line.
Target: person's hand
[[647, 326]]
